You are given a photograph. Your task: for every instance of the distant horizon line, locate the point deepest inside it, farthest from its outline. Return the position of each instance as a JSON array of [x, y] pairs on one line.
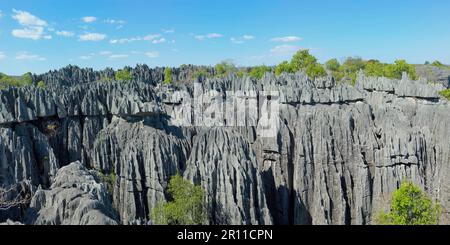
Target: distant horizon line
[[179, 66]]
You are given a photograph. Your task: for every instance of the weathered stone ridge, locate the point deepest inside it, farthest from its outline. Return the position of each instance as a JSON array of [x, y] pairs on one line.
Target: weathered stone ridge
[[76, 197]]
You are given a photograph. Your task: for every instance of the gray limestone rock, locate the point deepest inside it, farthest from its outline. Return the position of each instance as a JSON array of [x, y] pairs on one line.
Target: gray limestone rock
[[143, 156], [336, 157], [76, 197], [225, 165]]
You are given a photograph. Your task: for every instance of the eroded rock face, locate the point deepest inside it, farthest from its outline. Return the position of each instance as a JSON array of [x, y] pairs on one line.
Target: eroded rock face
[[76, 197], [338, 153], [225, 165], [144, 156]]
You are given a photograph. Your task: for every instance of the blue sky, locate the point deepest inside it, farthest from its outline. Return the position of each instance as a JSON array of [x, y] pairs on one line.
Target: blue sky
[[39, 35]]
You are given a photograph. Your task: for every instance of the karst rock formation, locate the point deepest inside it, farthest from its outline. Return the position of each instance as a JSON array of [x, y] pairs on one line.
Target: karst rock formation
[[338, 153]]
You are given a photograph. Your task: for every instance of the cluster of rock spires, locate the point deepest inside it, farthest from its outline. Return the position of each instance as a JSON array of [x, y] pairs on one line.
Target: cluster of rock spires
[[338, 154]]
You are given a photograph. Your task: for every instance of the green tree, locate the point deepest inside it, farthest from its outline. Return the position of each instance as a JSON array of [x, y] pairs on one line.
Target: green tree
[[374, 68], [410, 206], [7, 81], [241, 73], [224, 68], [353, 65], [315, 70], [259, 71], [201, 72], [283, 67], [167, 75], [302, 61], [333, 65], [396, 70], [349, 69], [437, 64], [41, 85], [124, 75], [187, 205], [27, 79]]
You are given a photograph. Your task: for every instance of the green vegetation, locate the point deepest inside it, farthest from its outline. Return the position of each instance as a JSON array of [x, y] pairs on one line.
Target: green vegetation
[[241, 73], [258, 71], [167, 75], [41, 85], [8, 81], [438, 64], [396, 70], [187, 205], [348, 70], [201, 72], [410, 206], [106, 79], [224, 68], [283, 67], [123, 75], [109, 180], [333, 65], [302, 61], [27, 79], [445, 93], [374, 68]]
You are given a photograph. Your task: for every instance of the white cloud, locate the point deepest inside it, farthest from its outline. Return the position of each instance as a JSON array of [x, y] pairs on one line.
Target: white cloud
[[89, 19], [152, 54], [26, 19], [286, 39], [1, 14], [168, 31], [34, 33], [214, 35], [160, 40], [284, 49], [33, 26], [242, 39], [151, 37], [94, 37], [125, 40], [208, 36], [2, 55], [119, 23], [236, 40], [154, 38], [115, 22], [25, 56], [65, 33], [200, 37], [85, 57], [118, 56], [105, 53]]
